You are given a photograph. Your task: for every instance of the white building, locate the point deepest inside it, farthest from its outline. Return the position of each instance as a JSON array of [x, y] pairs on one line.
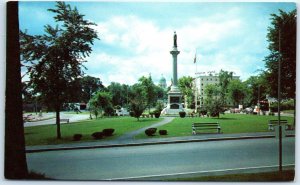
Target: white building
[[200, 84]]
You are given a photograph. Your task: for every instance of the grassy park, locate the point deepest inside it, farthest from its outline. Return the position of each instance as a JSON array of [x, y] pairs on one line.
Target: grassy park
[[230, 123], [46, 134]]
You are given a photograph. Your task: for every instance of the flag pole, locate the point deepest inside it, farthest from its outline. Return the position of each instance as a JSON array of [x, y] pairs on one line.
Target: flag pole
[[196, 91]]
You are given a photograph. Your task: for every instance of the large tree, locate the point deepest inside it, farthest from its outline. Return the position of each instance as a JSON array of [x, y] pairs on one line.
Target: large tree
[[119, 93], [138, 100], [237, 92], [282, 45], [15, 166], [100, 102], [54, 59], [213, 100], [89, 86], [149, 90], [256, 89], [224, 78], [186, 86]]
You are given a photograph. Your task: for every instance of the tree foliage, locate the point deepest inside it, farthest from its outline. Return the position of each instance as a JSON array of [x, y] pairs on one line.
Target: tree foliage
[[119, 93], [54, 59], [138, 100], [257, 88], [149, 89], [283, 33], [186, 86], [100, 102], [237, 92], [213, 100], [89, 86], [224, 78]]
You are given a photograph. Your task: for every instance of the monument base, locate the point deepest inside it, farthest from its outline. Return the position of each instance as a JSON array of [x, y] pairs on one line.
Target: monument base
[[174, 105]]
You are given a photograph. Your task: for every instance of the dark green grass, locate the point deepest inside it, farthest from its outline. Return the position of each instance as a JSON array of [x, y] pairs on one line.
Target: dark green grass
[[45, 135], [287, 175], [230, 123]]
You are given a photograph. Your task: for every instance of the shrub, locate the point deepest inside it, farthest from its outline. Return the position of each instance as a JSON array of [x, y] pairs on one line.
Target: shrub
[[97, 135], [109, 111], [156, 113], [108, 131], [214, 114], [77, 137], [271, 114], [163, 132], [182, 114], [150, 131], [131, 113]]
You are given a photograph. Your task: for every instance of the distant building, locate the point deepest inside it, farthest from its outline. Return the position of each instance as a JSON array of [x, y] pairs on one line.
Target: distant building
[[201, 82], [162, 82]]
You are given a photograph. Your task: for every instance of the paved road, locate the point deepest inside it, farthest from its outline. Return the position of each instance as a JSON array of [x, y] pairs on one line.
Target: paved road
[[72, 117], [132, 163]]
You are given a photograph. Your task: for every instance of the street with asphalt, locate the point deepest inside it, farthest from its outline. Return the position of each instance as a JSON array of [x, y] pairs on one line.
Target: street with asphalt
[[126, 158], [157, 162]]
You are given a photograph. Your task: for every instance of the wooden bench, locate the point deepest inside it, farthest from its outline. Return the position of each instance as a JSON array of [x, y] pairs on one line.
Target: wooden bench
[[205, 126], [65, 120], [273, 123]]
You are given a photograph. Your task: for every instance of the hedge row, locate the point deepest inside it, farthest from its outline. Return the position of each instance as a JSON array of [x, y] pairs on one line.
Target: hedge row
[[96, 135]]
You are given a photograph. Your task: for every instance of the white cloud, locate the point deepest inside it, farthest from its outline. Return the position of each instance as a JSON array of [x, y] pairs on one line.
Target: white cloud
[[143, 47]]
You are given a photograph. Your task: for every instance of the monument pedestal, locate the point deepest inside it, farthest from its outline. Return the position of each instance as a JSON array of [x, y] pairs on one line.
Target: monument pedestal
[[174, 105]]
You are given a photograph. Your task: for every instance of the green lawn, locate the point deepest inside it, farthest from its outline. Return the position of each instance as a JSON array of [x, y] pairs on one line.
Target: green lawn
[[44, 135], [230, 123], [288, 111], [287, 175]]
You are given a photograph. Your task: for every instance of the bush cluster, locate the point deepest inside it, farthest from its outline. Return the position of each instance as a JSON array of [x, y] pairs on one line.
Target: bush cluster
[[77, 137], [108, 131], [182, 114], [285, 105], [156, 113], [98, 135], [163, 132], [150, 131]]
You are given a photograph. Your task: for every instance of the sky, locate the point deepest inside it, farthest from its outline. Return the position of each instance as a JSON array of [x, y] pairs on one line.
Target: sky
[[136, 37]]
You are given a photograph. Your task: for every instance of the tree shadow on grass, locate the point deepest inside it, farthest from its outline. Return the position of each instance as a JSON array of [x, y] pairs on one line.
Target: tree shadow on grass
[[225, 118], [147, 120]]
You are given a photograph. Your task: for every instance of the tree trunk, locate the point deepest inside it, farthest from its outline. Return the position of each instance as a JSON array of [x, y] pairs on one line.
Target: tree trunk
[[57, 110], [294, 112], [15, 157]]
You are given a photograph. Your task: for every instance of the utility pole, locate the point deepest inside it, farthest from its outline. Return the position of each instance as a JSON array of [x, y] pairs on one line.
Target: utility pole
[[258, 103]]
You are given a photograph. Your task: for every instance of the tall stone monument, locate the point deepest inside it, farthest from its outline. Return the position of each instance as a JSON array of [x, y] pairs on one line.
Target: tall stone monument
[[174, 105]]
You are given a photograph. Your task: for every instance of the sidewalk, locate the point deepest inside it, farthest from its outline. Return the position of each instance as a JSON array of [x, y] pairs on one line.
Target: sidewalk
[[152, 141]]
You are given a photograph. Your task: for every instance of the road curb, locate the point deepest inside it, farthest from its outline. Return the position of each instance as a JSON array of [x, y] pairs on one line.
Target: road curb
[[150, 143]]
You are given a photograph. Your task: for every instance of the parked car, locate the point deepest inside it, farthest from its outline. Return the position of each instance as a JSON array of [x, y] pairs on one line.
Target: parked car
[[122, 112]]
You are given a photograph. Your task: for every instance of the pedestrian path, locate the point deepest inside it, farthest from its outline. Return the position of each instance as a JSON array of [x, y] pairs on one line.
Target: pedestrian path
[[130, 136]]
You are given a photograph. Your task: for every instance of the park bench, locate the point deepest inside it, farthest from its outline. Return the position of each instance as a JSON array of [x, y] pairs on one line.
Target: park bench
[[205, 126], [273, 123], [65, 120]]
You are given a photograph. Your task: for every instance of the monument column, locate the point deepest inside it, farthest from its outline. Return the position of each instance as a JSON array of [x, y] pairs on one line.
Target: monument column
[[174, 105], [174, 53]]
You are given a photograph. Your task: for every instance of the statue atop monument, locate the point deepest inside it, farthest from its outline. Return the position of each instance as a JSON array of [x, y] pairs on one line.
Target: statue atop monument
[[175, 39]]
